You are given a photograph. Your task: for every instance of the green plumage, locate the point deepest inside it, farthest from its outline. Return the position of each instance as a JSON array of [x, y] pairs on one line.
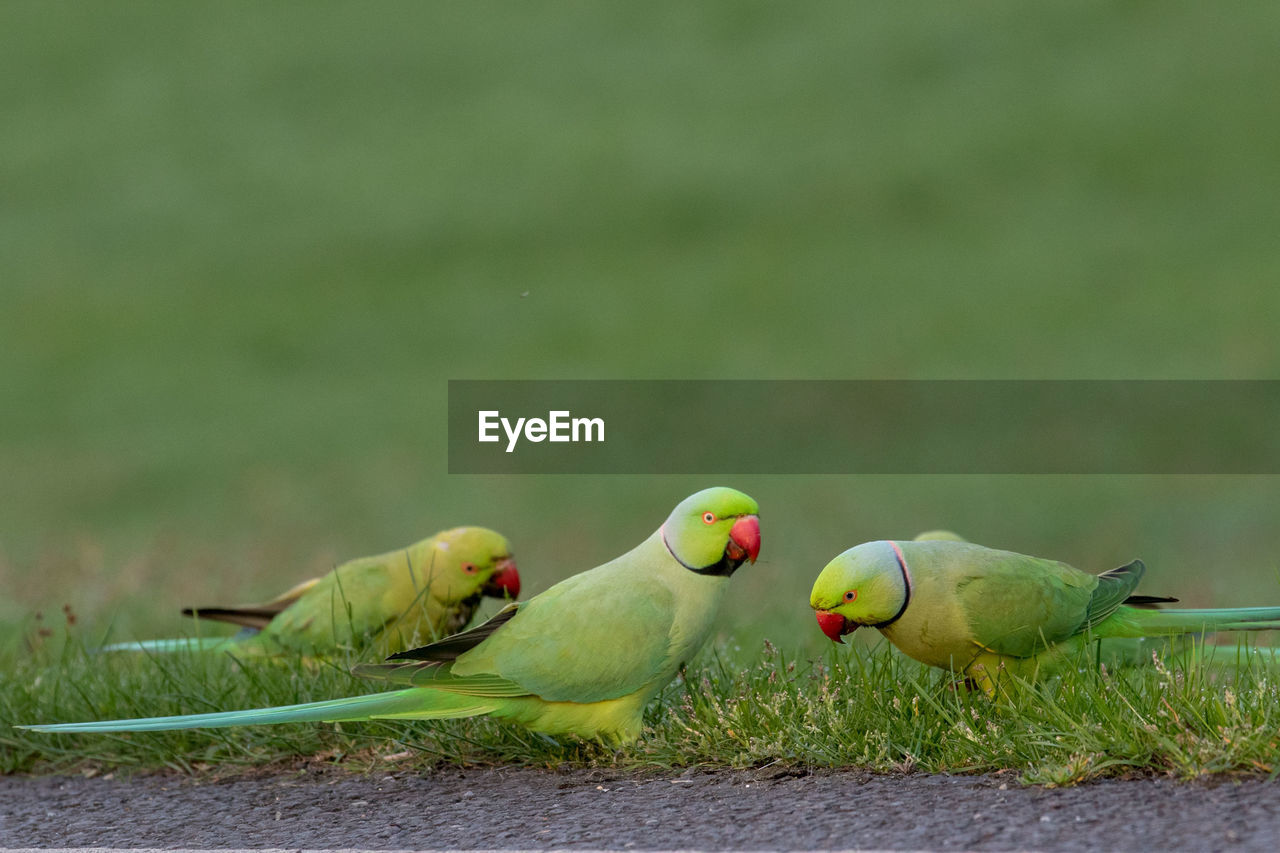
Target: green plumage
[[1113, 651], [582, 658], [176, 644], [391, 601], [980, 611]]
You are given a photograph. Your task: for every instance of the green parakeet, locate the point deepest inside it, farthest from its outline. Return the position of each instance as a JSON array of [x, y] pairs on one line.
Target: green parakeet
[[980, 611], [582, 658], [1113, 651], [394, 601]]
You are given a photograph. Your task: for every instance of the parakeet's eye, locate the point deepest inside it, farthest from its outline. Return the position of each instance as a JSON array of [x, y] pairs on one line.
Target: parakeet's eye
[[709, 517], [470, 568], [850, 595]]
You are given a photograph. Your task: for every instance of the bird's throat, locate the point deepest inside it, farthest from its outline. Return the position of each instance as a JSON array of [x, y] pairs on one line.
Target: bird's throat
[[723, 568]]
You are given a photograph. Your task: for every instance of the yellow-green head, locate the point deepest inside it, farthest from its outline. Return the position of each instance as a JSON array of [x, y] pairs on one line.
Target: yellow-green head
[[466, 561], [714, 531], [867, 585]]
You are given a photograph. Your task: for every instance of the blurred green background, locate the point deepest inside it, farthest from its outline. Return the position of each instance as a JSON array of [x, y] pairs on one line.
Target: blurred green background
[[244, 247]]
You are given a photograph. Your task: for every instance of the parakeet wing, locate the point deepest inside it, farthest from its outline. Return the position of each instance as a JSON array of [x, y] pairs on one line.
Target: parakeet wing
[[1018, 605], [253, 615], [550, 646], [1115, 587], [353, 600], [441, 677], [554, 646]]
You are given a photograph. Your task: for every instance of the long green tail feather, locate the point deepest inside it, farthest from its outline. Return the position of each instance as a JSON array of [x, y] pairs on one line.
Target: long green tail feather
[[411, 703], [177, 644], [1142, 622]]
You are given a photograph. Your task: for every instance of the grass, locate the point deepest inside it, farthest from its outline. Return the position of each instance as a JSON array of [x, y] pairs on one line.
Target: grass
[[1203, 711]]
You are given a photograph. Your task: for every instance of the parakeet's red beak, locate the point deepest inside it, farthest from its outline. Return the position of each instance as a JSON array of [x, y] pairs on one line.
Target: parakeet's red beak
[[744, 539], [834, 625], [505, 580]]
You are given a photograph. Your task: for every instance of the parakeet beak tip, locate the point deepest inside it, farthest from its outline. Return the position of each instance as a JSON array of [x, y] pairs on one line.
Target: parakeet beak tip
[[505, 580], [744, 538], [834, 625]]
